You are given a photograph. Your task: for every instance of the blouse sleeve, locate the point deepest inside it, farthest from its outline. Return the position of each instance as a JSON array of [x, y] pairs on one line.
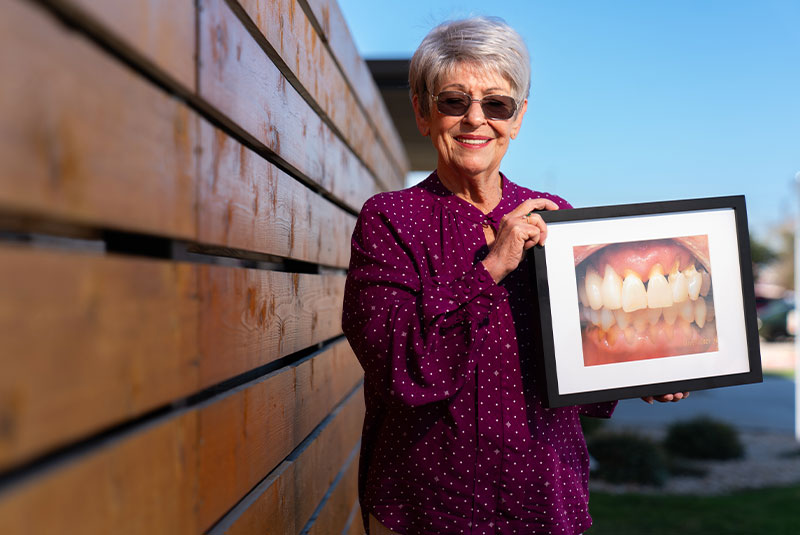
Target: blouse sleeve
[[598, 410], [417, 336]]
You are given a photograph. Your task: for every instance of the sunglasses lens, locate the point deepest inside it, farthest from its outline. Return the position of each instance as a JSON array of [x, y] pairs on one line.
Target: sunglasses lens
[[498, 107], [456, 103], [453, 103]]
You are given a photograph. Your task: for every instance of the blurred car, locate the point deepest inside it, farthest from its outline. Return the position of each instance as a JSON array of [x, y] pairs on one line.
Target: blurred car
[[776, 319]]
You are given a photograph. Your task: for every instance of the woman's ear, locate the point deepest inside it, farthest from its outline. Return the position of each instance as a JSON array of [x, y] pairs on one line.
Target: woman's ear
[[423, 124], [518, 119]]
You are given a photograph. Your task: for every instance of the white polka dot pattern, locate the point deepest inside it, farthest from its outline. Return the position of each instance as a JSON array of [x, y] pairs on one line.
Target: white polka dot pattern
[[455, 437]]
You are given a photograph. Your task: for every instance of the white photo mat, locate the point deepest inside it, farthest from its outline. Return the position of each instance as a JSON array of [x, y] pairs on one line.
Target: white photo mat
[[732, 356]]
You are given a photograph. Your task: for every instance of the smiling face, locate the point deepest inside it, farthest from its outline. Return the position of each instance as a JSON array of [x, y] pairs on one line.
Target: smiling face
[[471, 146]]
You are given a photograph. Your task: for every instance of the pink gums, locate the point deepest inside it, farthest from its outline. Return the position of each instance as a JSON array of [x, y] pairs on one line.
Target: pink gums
[[640, 257]]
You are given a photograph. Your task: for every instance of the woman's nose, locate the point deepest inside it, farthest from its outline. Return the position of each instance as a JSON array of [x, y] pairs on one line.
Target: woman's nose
[[474, 113]]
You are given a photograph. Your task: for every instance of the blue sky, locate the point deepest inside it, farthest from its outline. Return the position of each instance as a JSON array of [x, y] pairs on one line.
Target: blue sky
[[635, 101]]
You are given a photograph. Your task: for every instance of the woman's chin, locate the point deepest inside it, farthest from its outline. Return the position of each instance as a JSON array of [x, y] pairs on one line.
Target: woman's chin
[[471, 163], [473, 168]]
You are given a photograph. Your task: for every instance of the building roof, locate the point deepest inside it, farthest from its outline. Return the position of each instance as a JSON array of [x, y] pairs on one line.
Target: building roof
[[391, 76]]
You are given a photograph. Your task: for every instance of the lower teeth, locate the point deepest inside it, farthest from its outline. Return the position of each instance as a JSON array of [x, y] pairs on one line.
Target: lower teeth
[[698, 312]]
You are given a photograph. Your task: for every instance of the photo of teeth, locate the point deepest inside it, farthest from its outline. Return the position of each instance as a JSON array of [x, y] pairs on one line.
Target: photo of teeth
[[645, 299]]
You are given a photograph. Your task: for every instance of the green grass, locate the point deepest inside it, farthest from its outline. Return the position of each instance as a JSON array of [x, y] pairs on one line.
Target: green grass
[[786, 374], [774, 511]]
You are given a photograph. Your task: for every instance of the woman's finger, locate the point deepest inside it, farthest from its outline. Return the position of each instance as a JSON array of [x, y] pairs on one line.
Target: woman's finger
[[529, 205], [677, 396], [536, 220], [533, 238], [544, 204]]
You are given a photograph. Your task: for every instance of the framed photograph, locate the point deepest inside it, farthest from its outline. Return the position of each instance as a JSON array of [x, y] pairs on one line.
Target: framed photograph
[[646, 299]]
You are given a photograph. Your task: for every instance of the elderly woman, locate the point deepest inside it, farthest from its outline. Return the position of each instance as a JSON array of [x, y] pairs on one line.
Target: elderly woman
[[441, 315]]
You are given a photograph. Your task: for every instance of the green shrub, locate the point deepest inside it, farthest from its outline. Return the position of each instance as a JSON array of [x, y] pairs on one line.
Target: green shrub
[[678, 466], [789, 454], [591, 425], [703, 438], [628, 458]]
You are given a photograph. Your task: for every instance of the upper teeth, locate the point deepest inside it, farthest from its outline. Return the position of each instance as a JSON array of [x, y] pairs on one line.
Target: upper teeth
[[610, 289], [612, 293], [634, 296], [472, 141], [658, 291]]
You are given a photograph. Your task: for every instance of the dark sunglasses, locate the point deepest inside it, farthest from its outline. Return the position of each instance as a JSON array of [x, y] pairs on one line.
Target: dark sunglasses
[[456, 103]]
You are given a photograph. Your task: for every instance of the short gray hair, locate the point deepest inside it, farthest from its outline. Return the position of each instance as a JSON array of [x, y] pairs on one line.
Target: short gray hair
[[487, 42]]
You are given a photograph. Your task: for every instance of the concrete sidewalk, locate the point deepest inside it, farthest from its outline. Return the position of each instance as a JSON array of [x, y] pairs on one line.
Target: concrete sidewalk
[[767, 406]]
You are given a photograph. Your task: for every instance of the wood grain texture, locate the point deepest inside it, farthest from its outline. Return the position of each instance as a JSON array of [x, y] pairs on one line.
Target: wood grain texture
[[249, 317], [336, 510], [300, 484], [248, 433], [179, 474], [89, 341], [108, 338], [162, 33], [357, 523], [84, 138], [239, 80], [336, 33], [247, 203], [142, 483], [289, 32]]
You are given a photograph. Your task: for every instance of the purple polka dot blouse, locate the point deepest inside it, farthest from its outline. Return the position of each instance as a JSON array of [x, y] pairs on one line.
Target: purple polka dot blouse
[[455, 437]]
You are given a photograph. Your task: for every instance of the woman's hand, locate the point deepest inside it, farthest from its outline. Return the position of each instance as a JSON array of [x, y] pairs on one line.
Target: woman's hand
[[518, 231], [666, 397]]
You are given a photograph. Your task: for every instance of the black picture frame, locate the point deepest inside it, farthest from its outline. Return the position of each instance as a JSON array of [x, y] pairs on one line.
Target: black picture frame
[[590, 357]]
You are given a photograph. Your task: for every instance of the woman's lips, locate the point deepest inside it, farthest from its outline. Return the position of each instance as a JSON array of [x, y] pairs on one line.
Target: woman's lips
[[472, 142], [645, 299]]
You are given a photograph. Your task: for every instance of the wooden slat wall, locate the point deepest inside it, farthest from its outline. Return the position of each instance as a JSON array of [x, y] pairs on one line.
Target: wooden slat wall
[[333, 30], [286, 501], [178, 185]]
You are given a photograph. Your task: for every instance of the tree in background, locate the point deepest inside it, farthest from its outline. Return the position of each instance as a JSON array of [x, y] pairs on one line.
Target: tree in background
[[761, 254], [773, 261], [785, 261]]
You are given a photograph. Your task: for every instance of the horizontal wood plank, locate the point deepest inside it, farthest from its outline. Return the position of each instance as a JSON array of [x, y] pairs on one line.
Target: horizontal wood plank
[[292, 495], [288, 31], [336, 33], [238, 79], [250, 317], [336, 510], [81, 328], [161, 33], [171, 476], [247, 203], [142, 483], [247, 434], [86, 139], [80, 153], [89, 341]]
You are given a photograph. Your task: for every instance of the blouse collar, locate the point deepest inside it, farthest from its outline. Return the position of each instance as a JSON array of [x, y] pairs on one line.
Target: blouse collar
[[467, 210]]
